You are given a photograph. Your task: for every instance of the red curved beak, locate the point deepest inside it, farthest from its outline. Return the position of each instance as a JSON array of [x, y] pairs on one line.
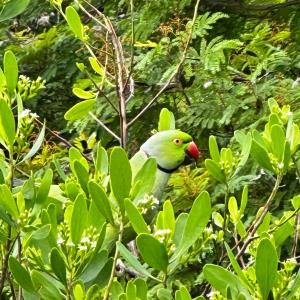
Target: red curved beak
[[193, 151]]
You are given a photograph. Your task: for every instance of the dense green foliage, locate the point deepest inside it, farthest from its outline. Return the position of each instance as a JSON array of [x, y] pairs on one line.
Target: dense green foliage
[[101, 73]]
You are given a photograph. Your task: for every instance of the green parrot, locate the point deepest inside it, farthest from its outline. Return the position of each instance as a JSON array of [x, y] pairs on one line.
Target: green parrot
[[170, 148]]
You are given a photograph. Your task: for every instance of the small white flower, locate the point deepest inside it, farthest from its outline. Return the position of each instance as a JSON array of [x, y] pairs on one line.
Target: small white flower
[[85, 240], [83, 248], [59, 241], [290, 113], [280, 166], [34, 115], [207, 84], [24, 113], [71, 244], [162, 232], [93, 245]]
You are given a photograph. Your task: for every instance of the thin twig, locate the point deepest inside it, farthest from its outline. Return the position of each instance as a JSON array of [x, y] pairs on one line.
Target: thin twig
[[57, 136], [104, 126], [154, 99], [111, 278], [259, 220], [101, 92]]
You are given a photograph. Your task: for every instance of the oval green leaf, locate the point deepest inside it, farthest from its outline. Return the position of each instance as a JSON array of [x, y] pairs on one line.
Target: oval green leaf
[[80, 110]]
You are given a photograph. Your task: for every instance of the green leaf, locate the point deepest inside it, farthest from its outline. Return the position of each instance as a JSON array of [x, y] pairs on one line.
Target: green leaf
[[146, 176], [266, 266], [96, 67], [101, 160], [164, 294], [82, 175], [74, 22], [58, 265], [79, 110], [7, 124], [244, 199], [278, 141], [13, 8], [261, 156], [286, 156], [21, 275], [94, 267], [295, 286], [179, 228], [8, 202], [41, 233], [238, 269], [82, 94], [221, 279], [183, 294], [214, 170], [197, 220], [136, 219], [37, 144], [213, 149], [133, 261], [233, 210], [78, 219], [168, 217], [166, 120], [141, 288], [153, 252], [10, 71], [101, 201], [44, 188], [120, 175], [46, 286]]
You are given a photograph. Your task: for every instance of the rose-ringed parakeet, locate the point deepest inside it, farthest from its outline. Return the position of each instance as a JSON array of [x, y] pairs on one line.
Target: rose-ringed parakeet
[[170, 148]]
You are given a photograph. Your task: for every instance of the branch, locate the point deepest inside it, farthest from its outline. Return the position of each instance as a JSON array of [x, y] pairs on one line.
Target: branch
[[104, 127], [257, 222], [245, 9], [154, 99]]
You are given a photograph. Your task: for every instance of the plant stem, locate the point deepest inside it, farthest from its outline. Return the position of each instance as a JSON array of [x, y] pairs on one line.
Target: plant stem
[[257, 222], [166, 85], [111, 278]]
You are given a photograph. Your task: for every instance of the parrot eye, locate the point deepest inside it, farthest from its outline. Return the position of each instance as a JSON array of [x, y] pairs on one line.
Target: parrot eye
[[177, 142]]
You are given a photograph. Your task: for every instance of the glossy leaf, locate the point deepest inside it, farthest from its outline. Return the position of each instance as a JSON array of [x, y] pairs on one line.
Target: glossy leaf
[[82, 175], [153, 252], [221, 279], [133, 261], [74, 22], [278, 141], [78, 219], [7, 124], [120, 175], [79, 110], [10, 71], [261, 156], [101, 160], [8, 202], [266, 266], [21, 275], [82, 94], [12, 9], [96, 67], [213, 149], [94, 267], [136, 219], [58, 265], [44, 188], [166, 120], [101, 201], [214, 170], [197, 220]]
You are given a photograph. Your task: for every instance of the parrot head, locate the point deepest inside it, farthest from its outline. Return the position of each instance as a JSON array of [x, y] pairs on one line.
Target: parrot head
[[170, 148]]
